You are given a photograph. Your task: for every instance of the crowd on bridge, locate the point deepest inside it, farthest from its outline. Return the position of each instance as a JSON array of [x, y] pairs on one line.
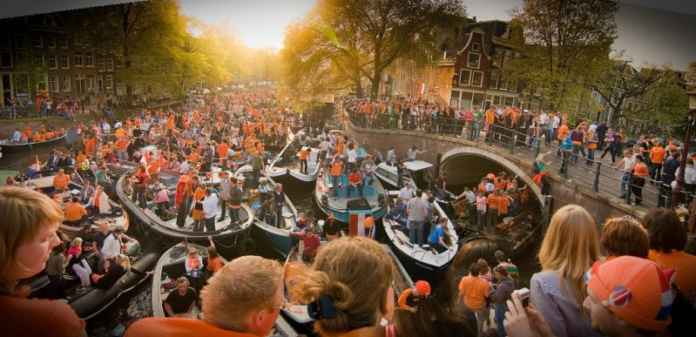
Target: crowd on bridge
[[636, 162]]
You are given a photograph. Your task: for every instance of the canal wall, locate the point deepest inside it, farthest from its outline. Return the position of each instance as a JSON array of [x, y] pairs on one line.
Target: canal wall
[[563, 191]]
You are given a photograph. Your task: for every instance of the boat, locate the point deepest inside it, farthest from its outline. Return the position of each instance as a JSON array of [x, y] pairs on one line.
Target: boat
[[343, 204], [313, 166], [274, 169], [91, 301], [9, 147], [422, 261], [416, 173], [117, 218], [170, 266], [168, 227], [277, 237]]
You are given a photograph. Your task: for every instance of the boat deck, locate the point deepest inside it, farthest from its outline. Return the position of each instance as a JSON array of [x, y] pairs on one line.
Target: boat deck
[[343, 194]]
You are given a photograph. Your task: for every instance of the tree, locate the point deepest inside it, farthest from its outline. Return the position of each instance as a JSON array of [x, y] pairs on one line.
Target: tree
[[356, 39], [564, 42], [621, 83], [663, 104]]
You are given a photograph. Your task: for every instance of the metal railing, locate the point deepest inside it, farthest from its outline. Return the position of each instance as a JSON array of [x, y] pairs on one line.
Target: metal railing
[[576, 165]]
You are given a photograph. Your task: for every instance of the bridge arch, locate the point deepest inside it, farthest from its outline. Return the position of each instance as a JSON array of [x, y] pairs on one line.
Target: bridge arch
[[469, 151]]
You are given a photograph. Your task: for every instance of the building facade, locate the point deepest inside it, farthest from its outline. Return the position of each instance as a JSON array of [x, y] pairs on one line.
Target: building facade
[[45, 54]]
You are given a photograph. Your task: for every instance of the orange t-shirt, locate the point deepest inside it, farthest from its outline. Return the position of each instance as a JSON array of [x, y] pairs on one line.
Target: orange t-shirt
[[303, 154], [336, 168], [474, 290], [563, 132], [222, 150], [493, 201], [33, 317], [74, 211], [61, 181], [641, 170], [120, 133], [178, 327], [503, 204], [122, 144], [683, 264], [657, 154]]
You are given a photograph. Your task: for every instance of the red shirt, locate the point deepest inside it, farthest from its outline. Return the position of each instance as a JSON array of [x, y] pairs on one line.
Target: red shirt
[[32, 317]]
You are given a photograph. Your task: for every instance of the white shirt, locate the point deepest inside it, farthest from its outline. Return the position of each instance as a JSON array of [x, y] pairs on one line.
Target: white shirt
[[406, 193], [629, 163], [210, 205], [543, 119], [391, 156], [352, 156], [111, 247], [690, 175], [184, 167], [556, 122]]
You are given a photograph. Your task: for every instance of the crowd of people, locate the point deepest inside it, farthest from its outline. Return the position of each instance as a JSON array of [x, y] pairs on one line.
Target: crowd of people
[[632, 278], [627, 277], [652, 159]]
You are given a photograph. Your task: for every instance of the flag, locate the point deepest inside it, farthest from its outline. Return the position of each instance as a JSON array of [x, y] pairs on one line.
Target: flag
[[356, 223]]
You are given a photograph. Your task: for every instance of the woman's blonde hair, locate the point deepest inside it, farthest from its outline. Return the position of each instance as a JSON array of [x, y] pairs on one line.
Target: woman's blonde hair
[[123, 261], [76, 242], [354, 272], [24, 212], [570, 246]]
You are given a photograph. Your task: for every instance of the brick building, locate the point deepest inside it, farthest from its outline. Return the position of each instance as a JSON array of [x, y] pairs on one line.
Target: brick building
[[48, 52], [469, 72]]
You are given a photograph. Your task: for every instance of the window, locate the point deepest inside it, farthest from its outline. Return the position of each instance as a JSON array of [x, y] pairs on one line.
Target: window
[[474, 60], [5, 59], [90, 83], [65, 62], [39, 61], [496, 100], [89, 60], [21, 57], [464, 77], [52, 62], [476, 47], [77, 60], [52, 83], [503, 83], [110, 63], [52, 42], [37, 41], [477, 79], [512, 85], [19, 41], [65, 83], [63, 42], [493, 84], [109, 82], [5, 40]]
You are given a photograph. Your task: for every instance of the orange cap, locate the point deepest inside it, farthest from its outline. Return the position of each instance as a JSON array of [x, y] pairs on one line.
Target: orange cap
[[634, 289], [423, 288]]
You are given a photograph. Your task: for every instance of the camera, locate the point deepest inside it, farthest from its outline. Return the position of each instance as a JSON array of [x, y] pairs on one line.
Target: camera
[[523, 295]]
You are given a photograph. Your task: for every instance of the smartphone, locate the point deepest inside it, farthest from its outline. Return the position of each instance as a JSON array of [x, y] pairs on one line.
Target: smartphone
[[523, 294]]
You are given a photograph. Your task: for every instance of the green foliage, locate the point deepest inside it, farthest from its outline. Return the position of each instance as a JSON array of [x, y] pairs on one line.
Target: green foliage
[[664, 103], [342, 42], [565, 44]]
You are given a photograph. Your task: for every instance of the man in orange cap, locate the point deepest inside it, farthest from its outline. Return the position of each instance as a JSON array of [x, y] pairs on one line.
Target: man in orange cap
[[410, 297], [629, 296]]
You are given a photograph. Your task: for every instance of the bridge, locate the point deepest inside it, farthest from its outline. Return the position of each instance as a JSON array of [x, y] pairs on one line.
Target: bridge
[[593, 185]]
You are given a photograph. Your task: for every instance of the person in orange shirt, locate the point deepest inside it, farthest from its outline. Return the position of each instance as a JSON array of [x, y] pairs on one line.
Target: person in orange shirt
[[668, 238], [303, 155], [474, 291], [640, 174], [249, 309], [122, 148], [657, 156], [74, 212], [411, 297], [562, 132], [492, 212], [222, 150], [90, 145], [61, 181], [336, 171]]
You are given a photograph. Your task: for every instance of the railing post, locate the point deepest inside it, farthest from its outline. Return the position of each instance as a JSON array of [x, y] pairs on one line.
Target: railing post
[[513, 140], [595, 186]]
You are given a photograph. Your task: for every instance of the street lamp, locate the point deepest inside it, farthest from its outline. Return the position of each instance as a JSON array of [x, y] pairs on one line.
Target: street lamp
[[691, 92]]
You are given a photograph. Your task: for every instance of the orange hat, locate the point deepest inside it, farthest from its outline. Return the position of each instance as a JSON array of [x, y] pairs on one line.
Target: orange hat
[[634, 289], [423, 288]]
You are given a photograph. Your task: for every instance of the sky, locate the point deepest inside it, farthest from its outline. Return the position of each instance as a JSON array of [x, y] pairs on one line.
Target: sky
[[651, 32]]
